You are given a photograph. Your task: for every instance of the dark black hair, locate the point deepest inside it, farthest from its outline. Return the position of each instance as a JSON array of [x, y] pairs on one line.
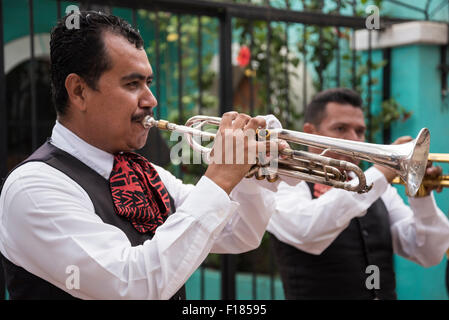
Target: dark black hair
[[80, 49], [315, 110]]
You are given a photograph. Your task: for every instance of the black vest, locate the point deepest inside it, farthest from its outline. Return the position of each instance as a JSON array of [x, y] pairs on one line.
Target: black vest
[[340, 271], [22, 284]]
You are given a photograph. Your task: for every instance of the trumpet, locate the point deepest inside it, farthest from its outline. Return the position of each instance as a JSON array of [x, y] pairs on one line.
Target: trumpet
[[408, 160], [440, 181]]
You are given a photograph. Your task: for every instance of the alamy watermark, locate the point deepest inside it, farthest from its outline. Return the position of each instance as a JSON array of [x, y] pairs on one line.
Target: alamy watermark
[[373, 20], [228, 148], [73, 280], [73, 17], [373, 280]]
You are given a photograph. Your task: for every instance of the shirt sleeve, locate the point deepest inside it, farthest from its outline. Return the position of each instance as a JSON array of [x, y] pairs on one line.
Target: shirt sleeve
[[312, 225], [420, 232], [247, 225], [48, 225], [254, 202]]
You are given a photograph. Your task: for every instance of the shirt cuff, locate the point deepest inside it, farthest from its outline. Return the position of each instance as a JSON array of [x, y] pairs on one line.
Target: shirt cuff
[[252, 186], [423, 207], [377, 178]]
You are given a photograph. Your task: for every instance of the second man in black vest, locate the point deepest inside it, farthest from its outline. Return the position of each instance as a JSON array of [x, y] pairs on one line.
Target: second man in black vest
[[335, 244]]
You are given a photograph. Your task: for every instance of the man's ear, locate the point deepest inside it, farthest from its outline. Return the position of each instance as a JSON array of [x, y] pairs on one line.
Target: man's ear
[[76, 91], [309, 128]]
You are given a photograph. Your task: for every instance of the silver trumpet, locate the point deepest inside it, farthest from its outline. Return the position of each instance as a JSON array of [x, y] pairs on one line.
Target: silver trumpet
[[408, 160]]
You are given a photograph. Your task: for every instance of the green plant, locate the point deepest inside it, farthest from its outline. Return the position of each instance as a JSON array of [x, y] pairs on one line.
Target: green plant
[[182, 31], [391, 112], [275, 62], [320, 43]]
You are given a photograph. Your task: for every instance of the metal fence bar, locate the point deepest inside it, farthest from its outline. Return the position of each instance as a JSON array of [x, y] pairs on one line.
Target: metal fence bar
[[268, 58], [3, 113], [180, 173], [134, 18], [158, 60], [158, 78], [228, 262], [58, 9], [370, 95], [304, 55], [33, 101], [200, 66], [3, 131], [254, 285], [225, 94], [251, 77], [338, 48], [354, 53], [386, 90], [180, 75], [272, 272], [287, 78], [268, 76], [320, 53], [251, 108], [354, 62], [200, 111]]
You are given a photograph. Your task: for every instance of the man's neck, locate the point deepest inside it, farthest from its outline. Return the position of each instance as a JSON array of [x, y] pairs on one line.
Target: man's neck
[[80, 131]]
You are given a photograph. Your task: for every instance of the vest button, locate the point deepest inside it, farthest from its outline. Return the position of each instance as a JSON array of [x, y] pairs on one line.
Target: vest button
[[365, 233]]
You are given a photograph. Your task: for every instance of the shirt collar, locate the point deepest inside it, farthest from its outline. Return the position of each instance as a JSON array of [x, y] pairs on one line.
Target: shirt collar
[[97, 159]]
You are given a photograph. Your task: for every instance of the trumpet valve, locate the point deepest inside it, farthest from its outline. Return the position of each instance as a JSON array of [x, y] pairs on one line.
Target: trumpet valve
[[272, 177], [262, 134]]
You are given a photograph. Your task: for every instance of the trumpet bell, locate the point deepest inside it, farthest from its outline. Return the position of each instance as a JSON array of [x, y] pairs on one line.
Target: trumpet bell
[[408, 160], [413, 168]]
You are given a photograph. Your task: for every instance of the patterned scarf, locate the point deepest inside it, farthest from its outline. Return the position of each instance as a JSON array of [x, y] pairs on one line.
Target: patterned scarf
[[138, 192]]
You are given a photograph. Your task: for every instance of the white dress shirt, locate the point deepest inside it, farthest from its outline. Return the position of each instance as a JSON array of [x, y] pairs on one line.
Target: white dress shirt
[[419, 232], [48, 226]]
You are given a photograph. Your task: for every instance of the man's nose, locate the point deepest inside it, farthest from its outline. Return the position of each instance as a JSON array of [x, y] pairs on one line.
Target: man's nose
[[147, 100]]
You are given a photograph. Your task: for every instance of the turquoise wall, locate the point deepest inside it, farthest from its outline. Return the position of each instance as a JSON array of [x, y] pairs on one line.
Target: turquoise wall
[[244, 286], [416, 84]]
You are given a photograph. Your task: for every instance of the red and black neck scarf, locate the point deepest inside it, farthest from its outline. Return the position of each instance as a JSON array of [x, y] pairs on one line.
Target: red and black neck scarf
[[138, 192]]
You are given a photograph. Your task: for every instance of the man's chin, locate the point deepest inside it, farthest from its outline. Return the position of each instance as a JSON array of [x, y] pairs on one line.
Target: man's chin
[[141, 143]]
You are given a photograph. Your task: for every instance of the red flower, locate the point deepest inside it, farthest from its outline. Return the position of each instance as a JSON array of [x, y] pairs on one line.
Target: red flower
[[244, 56]]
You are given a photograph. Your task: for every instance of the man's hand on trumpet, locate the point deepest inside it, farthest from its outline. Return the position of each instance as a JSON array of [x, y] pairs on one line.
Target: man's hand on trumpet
[[236, 149]]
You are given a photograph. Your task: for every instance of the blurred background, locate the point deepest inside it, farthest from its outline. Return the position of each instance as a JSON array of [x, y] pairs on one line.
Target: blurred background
[[257, 57]]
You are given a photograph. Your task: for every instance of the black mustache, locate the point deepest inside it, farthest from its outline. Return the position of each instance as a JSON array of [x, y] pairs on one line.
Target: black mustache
[[140, 117]]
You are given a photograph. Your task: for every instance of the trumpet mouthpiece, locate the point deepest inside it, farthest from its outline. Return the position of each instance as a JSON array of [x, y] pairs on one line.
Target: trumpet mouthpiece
[[149, 122]]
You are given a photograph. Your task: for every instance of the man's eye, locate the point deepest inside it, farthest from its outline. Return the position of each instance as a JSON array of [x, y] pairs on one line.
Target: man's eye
[[149, 83], [132, 84], [340, 129]]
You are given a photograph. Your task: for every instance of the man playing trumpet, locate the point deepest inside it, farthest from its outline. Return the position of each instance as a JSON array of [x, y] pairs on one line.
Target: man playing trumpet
[[84, 217], [328, 241]]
